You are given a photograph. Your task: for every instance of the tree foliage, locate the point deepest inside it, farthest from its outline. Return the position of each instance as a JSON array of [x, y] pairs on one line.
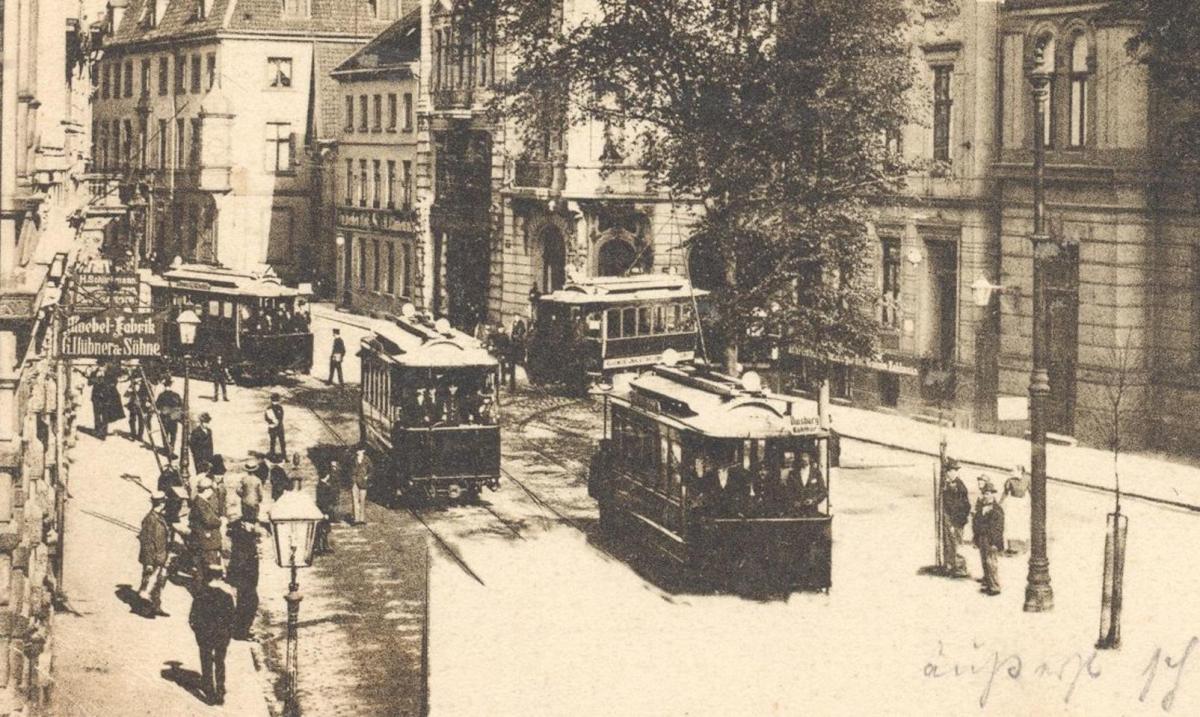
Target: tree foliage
[[772, 114]]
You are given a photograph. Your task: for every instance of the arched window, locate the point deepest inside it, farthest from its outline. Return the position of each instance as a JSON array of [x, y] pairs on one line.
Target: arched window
[[1079, 83], [1049, 65]]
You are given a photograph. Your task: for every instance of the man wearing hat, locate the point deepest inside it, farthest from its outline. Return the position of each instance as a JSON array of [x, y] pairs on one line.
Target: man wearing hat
[[335, 358], [250, 492], [956, 509], [201, 442], [154, 540], [274, 418], [988, 526], [204, 520], [170, 410], [212, 621]]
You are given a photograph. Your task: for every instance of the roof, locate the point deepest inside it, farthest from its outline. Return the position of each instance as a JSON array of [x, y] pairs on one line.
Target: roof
[[616, 289], [718, 406], [396, 48], [418, 342], [330, 17], [222, 280]]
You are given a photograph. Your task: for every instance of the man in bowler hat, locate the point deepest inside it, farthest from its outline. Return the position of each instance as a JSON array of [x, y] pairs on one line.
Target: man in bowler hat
[[988, 526]]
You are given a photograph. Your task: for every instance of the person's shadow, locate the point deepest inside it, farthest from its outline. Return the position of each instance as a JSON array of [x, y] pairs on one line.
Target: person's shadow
[[189, 680], [137, 604]]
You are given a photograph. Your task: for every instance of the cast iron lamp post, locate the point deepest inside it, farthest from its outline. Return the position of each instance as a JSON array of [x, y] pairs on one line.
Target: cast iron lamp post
[[188, 321], [294, 519], [1039, 596]]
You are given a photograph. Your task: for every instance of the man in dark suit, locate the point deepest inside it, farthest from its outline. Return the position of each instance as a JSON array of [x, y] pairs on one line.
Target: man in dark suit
[[212, 621], [810, 484], [204, 520], [244, 537], [154, 540], [201, 442], [273, 416], [220, 378], [988, 526], [335, 358], [137, 403], [956, 509], [170, 410]]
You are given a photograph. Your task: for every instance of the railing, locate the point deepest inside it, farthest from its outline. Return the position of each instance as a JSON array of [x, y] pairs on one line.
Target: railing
[[450, 98], [104, 190]]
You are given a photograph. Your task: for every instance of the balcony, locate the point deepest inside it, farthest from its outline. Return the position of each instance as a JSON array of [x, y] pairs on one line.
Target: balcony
[[104, 192], [393, 220], [453, 98]]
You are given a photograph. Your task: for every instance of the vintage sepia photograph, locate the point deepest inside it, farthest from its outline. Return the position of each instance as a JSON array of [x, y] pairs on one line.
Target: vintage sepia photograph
[[647, 358]]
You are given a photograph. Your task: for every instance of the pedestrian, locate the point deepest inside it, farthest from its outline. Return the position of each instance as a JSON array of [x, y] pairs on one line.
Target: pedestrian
[[201, 442], [220, 378], [154, 541], [137, 405], [204, 521], [956, 509], [279, 479], [171, 485], [520, 337], [99, 408], [360, 479], [335, 358], [170, 410], [327, 500], [250, 492], [244, 537], [216, 472], [988, 527], [501, 346], [212, 621], [273, 415]]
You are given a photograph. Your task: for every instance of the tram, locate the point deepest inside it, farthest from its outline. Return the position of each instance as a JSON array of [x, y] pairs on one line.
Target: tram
[[720, 477], [597, 327], [259, 327], [430, 410]]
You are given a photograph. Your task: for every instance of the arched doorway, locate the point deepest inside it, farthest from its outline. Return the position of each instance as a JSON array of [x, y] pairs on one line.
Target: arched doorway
[[615, 258], [553, 272]]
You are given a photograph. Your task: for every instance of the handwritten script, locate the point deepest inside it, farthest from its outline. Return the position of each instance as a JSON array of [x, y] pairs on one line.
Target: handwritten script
[[1161, 678]]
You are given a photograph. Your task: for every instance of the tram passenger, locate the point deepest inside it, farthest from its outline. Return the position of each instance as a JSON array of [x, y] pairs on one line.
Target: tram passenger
[[812, 491], [735, 491], [705, 491]]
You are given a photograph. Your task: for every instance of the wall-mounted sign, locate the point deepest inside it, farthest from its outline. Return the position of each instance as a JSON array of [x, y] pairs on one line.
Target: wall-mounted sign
[[102, 290], [112, 334]]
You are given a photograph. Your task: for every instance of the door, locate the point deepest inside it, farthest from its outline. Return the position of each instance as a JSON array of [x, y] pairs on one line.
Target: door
[[1062, 302], [348, 268]]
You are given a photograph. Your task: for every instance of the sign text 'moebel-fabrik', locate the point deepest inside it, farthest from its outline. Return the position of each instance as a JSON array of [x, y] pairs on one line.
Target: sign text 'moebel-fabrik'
[[112, 335]]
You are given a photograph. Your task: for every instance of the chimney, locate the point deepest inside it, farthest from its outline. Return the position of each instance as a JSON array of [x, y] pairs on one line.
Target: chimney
[[116, 13]]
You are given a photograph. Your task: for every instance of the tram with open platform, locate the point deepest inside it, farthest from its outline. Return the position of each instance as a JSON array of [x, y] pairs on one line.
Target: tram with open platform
[[259, 327], [604, 325], [719, 476], [429, 410]]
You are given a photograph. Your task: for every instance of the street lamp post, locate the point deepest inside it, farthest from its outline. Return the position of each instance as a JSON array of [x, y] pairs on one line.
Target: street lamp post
[[188, 321], [1039, 596], [294, 519]]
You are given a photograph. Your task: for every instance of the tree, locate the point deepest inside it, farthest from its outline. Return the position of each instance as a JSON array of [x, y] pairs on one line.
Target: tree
[[772, 114], [1168, 43]]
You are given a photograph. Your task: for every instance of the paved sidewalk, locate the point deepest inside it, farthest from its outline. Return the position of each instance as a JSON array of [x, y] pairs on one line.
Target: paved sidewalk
[[108, 660], [1142, 476]]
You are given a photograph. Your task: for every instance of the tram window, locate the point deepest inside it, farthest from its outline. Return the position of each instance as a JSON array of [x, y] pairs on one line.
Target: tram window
[[660, 324], [686, 319], [675, 468], [644, 321], [628, 322], [214, 307], [671, 314], [593, 324], [613, 323], [664, 465]]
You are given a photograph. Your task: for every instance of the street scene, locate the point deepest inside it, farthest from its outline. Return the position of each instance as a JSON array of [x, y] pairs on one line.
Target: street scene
[[646, 357]]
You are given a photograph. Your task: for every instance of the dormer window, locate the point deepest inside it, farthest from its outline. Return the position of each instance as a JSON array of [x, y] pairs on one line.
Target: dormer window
[[154, 12]]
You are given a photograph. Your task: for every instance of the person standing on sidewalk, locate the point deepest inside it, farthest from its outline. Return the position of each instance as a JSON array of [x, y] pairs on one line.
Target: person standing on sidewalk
[[250, 492], [988, 526], [360, 478], [273, 416], [211, 619], [154, 540], [327, 500], [335, 358], [204, 521], [956, 509], [170, 410], [220, 378], [137, 403], [244, 537], [201, 442]]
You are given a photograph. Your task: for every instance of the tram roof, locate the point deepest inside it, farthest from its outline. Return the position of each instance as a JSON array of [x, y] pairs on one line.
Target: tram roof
[[417, 343], [623, 289], [717, 406], [223, 280]]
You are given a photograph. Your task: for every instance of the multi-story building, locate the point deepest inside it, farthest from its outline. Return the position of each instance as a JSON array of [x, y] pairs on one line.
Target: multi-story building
[[507, 219], [209, 111], [372, 169]]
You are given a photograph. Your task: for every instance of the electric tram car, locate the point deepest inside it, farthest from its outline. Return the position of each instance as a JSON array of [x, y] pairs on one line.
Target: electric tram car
[[711, 474], [430, 410], [259, 327], [594, 328]]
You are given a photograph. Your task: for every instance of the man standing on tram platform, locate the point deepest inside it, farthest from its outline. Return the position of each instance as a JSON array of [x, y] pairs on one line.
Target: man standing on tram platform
[[812, 485]]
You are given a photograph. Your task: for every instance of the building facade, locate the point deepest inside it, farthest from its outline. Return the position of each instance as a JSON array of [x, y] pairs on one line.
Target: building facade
[[208, 113], [372, 169]]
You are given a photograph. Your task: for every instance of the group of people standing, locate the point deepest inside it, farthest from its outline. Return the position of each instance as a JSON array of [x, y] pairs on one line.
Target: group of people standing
[[509, 348], [987, 526]]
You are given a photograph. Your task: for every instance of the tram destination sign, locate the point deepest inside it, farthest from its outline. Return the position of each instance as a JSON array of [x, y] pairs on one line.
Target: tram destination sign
[[113, 334]]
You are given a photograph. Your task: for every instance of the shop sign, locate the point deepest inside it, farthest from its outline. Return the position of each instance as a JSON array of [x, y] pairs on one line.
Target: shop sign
[[104, 289], [112, 334]]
